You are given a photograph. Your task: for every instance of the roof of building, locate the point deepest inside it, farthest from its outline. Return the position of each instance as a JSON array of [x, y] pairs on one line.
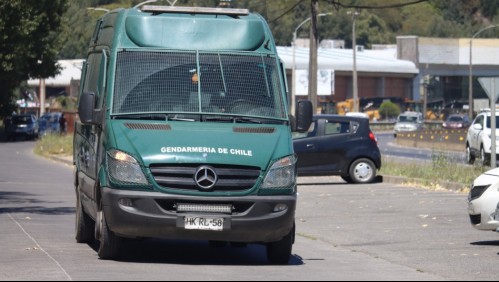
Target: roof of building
[[70, 70], [376, 61]]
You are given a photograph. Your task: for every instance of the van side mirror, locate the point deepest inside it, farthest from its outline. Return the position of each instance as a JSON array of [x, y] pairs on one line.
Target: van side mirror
[[86, 108], [304, 116], [477, 126]]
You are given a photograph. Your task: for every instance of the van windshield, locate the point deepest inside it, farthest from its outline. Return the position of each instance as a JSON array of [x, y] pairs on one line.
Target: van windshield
[[198, 83]]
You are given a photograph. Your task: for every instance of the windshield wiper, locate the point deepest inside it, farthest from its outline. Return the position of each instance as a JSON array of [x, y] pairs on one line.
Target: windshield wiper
[[241, 119], [231, 119], [162, 117], [155, 116]]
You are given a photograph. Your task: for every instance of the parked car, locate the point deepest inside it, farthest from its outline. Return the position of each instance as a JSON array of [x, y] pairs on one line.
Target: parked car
[[478, 139], [49, 123], [483, 199], [22, 125], [457, 122], [338, 145], [408, 122]]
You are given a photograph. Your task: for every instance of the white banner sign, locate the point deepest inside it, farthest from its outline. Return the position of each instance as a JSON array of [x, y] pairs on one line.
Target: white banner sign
[[325, 82]]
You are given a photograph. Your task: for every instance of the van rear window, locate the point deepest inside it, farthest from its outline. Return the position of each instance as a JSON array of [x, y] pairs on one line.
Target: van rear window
[[196, 82]]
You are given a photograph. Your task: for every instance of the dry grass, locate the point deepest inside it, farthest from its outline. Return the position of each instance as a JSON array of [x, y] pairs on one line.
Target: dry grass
[[55, 144]]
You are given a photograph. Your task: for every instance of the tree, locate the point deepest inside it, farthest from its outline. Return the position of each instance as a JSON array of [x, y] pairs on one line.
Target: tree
[[29, 44], [389, 110]]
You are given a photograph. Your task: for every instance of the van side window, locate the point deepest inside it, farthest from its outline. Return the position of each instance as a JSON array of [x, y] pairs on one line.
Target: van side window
[[92, 76]]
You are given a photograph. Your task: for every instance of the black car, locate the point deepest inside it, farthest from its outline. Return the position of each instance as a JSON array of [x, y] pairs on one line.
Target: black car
[[339, 145]]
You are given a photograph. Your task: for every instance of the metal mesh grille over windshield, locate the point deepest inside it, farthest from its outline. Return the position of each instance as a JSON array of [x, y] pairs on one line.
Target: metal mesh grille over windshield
[[204, 83]]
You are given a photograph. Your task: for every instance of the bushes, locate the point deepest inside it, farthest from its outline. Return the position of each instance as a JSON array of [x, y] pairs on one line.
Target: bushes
[[389, 110]]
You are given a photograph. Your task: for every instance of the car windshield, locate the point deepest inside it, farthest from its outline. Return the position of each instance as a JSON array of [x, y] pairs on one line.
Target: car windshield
[[198, 83], [408, 119], [489, 121], [21, 120], [455, 119]]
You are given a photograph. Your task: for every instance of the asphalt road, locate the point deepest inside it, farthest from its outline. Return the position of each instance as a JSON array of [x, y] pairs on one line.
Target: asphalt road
[[345, 232], [388, 147]]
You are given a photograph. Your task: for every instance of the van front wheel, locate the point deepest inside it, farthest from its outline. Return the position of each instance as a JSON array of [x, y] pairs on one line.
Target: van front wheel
[[279, 253], [109, 243], [85, 226]]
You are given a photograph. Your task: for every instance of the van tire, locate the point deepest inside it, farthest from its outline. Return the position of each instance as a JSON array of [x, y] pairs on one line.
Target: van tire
[[109, 243], [84, 225], [279, 253]]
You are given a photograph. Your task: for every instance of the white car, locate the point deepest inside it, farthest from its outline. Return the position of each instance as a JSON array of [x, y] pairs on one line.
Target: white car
[[478, 140], [408, 122], [483, 199]]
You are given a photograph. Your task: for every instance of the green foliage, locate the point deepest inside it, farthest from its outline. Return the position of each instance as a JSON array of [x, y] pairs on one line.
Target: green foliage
[[389, 110], [29, 42]]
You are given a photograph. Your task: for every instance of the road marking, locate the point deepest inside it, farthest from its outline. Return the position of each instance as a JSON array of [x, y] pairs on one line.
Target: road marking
[[40, 248]]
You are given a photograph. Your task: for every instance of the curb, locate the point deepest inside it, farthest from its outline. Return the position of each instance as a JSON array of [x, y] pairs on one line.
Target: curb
[[64, 160]]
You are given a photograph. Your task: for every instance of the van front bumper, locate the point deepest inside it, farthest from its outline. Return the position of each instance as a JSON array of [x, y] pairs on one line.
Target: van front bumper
[[139, 214]]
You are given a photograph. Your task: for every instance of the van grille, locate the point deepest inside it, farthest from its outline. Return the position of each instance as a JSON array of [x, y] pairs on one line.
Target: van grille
[[258, 130], [230, 178], [146, 126]]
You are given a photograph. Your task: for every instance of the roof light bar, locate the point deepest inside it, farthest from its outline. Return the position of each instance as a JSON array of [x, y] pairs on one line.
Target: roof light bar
[[195, 10]]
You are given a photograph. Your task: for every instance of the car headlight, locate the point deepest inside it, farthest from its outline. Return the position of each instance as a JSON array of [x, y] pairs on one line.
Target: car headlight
[[125, 169], [282, 174]]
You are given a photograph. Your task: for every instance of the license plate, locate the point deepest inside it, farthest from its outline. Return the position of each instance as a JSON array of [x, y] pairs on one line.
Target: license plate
[[201, 223]]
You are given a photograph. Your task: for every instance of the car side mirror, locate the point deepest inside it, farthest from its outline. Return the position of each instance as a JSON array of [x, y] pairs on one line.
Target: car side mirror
[[477, 126], [304, 116], [86, 108]]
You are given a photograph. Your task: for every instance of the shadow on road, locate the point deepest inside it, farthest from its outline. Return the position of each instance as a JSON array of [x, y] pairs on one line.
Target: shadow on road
[[29, 204], [193, 253], [485, 243]]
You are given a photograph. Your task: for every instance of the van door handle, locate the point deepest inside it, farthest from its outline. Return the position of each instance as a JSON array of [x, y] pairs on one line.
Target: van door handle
[[310, 146]]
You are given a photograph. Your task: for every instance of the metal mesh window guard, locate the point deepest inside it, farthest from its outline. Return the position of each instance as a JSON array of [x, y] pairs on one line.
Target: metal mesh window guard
[[197, 83]]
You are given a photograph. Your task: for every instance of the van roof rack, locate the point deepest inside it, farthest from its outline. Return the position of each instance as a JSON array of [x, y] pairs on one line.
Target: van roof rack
[[195, 10]]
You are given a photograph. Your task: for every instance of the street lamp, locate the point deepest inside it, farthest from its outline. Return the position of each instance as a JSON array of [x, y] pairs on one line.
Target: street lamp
[[355, 87], [293, 98], [470, 78]]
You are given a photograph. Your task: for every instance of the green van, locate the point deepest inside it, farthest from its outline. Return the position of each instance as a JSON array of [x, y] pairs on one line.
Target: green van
[[185, 131]]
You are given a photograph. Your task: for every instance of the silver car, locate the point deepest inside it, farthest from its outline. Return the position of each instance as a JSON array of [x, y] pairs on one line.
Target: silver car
[[408, 122]]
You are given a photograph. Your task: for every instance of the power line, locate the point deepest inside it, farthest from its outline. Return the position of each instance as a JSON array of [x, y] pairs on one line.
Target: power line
[[287, 12], [337, 3]]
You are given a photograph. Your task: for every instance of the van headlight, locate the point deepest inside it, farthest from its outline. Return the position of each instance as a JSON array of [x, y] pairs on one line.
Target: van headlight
[[282, 174], [125, 169]]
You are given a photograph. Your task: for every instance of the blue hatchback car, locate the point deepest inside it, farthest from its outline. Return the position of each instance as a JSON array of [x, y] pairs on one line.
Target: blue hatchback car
[[339, 145]]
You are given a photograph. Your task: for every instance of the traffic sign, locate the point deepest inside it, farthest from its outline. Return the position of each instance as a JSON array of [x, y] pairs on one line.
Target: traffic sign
[[490, 85]]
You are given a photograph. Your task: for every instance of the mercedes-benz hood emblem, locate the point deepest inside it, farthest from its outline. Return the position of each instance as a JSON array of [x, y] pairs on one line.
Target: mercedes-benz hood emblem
[[205, 177]]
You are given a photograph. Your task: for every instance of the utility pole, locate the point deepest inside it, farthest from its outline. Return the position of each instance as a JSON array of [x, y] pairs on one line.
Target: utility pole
[[355, 87], [312, 69]]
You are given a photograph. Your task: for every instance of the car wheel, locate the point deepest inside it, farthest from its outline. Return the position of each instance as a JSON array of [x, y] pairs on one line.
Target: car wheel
[[85, 226], [347, 178], [279, 253], [362, 171], [483, 157], [109, 243], [470, 159]]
